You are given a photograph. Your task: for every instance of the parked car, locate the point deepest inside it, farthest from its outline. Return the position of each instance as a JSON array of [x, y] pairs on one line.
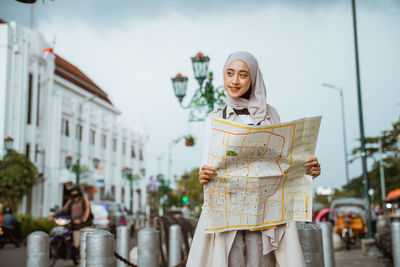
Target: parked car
[[107, 215]]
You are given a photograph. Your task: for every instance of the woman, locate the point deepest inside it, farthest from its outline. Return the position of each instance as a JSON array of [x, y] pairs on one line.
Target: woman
[[277, 246]]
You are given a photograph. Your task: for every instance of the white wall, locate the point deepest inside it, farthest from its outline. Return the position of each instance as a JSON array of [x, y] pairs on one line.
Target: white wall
[[21, 54]]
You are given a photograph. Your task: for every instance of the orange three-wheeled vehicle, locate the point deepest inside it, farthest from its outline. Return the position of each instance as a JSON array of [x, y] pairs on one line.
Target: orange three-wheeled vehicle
[[348, 215]]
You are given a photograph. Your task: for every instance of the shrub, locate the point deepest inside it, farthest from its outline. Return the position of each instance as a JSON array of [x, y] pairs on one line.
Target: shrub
[[30, 224]]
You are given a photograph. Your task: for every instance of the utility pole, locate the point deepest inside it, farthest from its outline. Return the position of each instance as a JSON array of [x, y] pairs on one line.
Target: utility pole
[[381, 170], [340, 90], [361, 121]]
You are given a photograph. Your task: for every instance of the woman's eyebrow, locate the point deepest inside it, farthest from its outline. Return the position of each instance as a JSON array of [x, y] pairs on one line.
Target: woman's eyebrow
[[239, 70]]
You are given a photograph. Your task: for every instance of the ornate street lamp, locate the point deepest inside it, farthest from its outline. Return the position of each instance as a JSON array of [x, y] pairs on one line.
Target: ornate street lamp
[[200, 67], [27, 1], [8, 143], [206, 96], [68, 161], [179, 83], [96, 163]]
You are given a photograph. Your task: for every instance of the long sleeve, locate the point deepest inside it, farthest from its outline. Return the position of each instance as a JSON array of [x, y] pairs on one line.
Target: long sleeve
[[86, 209], [65, 211]]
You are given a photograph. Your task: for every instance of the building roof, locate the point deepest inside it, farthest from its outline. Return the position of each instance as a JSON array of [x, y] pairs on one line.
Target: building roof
[[71, 73]]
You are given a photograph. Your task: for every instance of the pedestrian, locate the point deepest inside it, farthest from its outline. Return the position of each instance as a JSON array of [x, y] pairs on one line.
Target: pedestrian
[[77, 208], [277, 246]]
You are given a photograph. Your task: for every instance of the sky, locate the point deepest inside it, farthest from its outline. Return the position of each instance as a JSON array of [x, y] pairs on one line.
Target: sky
[[131, 49]]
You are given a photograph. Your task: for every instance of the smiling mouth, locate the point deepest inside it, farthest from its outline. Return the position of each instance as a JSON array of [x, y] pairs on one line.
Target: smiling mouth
[[234, 89]]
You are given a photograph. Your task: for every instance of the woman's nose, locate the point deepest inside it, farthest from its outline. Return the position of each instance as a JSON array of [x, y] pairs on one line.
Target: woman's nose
[[236, 79]]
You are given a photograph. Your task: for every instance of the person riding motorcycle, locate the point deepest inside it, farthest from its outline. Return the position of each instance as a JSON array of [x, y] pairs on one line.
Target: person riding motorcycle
[[11, 224], [77, 208]]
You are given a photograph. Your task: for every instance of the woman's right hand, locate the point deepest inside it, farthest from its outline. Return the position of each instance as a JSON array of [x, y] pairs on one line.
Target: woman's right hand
[[206, 174]]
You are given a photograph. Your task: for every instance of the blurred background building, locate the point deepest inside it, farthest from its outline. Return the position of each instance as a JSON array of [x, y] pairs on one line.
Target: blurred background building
[[57, 115]]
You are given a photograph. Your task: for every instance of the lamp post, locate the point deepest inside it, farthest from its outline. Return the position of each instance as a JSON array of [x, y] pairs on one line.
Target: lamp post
[[206, 96], [42, 178], [78, 158], [127, 173], [338, 89], [142, 190], [172, 143], [361, 121], [8, 143]]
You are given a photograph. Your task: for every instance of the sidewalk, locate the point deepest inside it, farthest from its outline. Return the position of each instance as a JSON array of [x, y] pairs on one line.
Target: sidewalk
[[354, 257]]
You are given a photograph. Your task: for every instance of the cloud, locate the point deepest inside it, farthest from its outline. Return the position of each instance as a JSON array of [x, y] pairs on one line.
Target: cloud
[[117, 13]]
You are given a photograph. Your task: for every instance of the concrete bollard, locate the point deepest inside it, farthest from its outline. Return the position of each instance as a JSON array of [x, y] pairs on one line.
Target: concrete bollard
[[100, 249], [175, 243], [123, 234], [396, 242], [38, 249], [327, 242], [82, 248], [148, 247], [310, 236]]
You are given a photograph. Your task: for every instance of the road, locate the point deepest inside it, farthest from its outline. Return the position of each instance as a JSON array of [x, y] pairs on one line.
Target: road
[[354, 257]]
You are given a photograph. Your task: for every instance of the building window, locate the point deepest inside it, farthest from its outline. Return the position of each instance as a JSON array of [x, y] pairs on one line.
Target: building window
[[114, 147], [104, 141], [29, 119], [27, 150], [79, 130], [92, 136], [113, 192], [65, 127], [140, 154], [38, 104], [133, 155], [123, 148], [36, 152]]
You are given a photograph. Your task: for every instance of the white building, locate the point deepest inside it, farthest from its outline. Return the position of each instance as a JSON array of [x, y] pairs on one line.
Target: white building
[[40, 96]]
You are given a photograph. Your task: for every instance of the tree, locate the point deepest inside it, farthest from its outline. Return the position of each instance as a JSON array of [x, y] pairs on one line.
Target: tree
[[192, 187], [17, 177], [390, 141]]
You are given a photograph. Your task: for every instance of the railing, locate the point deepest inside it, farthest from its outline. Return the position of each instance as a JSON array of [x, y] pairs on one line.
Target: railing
[[165, 241]]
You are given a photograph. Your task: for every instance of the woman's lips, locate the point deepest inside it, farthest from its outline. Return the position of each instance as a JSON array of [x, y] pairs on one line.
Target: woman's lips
[[234, 89]]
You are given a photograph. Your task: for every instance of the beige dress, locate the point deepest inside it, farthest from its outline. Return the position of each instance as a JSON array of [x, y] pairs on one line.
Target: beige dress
[[212, 249]]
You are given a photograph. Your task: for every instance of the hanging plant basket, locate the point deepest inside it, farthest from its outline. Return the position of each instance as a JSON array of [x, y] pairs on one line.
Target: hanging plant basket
[[189, 140]]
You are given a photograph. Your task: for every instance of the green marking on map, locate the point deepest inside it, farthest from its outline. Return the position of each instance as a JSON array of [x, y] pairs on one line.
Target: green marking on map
[[231, 153]]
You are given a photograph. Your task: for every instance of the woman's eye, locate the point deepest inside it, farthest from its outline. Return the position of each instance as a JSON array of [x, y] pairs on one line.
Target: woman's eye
[[229, 73], [243, 75]]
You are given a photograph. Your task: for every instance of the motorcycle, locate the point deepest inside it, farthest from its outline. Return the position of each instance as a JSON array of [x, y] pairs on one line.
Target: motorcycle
[[8, 236], [61, 244]]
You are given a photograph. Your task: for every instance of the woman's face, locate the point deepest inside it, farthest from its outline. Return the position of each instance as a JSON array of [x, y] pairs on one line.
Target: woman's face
[[237, 78]]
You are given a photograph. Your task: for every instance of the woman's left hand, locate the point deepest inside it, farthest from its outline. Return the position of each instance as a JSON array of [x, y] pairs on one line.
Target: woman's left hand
[[313, 167]]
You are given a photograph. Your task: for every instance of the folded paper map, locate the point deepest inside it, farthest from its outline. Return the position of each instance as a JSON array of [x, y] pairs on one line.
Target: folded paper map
[[261, 178]]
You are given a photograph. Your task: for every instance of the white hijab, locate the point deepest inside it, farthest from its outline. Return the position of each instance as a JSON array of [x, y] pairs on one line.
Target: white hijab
[[259, 110]]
